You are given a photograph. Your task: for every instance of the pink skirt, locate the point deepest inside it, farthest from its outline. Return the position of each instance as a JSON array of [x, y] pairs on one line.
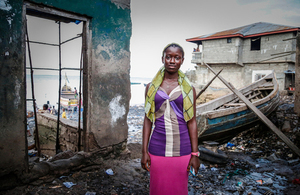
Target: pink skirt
[[169, 175]]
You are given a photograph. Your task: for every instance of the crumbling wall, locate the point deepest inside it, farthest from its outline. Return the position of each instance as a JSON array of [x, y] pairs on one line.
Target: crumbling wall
[[68, 137], [12, 92], [107, 90]]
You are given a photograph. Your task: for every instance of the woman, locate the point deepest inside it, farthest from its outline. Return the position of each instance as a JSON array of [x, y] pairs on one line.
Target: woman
[[172, 149]]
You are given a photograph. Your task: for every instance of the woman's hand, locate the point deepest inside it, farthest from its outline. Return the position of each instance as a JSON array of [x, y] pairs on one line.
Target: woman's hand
[[145, 161], [195, 163]]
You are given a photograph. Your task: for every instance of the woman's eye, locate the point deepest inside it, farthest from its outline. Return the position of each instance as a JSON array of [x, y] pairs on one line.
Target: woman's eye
[[168, 57]]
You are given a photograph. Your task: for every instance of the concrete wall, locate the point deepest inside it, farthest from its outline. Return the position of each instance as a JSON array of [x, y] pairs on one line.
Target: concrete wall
[[239, 76], [68, 138], [270, 44], [12, 91], [107, 91], [219, 51], [238, 51]]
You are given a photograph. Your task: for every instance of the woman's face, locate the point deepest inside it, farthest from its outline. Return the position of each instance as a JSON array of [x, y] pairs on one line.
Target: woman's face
[[172, 59]]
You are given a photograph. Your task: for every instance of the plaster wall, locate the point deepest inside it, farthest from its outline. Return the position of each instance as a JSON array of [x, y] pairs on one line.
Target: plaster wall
[[107, 90]]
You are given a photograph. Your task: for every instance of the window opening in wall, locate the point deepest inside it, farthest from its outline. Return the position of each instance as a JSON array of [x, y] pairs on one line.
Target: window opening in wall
[[258, 74], [255, 43], [54, 65], [229, 40]]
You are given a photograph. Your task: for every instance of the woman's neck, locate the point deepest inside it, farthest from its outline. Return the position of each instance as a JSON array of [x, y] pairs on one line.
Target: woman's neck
[[169, 76]]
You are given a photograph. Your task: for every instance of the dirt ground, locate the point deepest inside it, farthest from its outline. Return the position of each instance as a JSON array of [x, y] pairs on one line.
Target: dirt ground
[[258, 163]]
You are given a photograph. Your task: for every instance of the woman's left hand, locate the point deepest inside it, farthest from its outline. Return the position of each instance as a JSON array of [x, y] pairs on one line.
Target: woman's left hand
[[195, 163]]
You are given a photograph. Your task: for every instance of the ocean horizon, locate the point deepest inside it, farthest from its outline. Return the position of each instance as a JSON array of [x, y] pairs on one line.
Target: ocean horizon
[[46, 89]]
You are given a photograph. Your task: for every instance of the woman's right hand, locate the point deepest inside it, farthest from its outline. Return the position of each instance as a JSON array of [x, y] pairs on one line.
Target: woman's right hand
[[145, 161]]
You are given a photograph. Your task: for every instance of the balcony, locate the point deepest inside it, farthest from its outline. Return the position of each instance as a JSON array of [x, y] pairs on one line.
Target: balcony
[[196, 57]]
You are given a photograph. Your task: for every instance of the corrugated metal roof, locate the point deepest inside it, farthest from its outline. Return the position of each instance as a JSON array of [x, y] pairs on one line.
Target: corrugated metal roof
[[248, 30]]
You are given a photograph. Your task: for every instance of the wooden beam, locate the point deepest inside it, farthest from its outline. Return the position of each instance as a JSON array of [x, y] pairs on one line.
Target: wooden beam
[[260, 115], [208, 84]]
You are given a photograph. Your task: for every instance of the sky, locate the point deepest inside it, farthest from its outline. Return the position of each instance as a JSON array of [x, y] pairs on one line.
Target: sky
[[45, 56], [156, 23]]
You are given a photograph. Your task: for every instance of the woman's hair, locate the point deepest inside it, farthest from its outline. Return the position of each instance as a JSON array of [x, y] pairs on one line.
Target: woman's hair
[[173, 45]]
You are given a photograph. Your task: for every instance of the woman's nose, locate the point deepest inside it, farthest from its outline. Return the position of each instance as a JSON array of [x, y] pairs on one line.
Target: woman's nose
[[172, 60]]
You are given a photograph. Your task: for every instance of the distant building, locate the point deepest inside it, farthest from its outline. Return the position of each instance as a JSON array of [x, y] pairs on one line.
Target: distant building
[[246, 54]]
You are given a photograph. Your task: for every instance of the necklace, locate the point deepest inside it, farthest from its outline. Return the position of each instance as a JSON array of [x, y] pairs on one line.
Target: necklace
[[169, 82]]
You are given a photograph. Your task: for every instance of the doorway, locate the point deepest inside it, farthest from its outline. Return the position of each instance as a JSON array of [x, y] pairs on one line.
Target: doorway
[[55, 81]]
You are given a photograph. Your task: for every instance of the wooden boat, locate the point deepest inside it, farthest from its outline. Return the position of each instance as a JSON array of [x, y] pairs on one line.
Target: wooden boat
[[223, 118], [68, 98]]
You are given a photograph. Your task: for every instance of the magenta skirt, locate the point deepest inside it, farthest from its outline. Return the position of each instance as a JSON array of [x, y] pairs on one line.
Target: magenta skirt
[[169, 175]]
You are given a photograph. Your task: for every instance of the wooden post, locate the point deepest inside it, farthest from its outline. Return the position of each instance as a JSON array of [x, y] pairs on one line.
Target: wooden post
[[297, 77], [208, 84], [260, 115]]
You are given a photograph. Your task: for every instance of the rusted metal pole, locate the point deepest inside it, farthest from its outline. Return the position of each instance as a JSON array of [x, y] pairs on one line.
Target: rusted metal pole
[[297, 77], [57, 146], [208, 84], [79, 108], [260, 115], [37, 140]]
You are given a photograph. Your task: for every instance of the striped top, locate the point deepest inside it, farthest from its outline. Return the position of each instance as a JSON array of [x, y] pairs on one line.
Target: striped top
[[170, 136]]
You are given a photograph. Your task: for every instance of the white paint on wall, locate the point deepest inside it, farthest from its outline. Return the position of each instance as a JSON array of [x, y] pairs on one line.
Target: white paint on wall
[[263, 51], [286, 47], [17, 100], [274, 47], [116, 109], [4, 5]]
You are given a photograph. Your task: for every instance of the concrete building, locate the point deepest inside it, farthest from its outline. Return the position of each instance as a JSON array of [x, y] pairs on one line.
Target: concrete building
[[106, 80], [246, 54]]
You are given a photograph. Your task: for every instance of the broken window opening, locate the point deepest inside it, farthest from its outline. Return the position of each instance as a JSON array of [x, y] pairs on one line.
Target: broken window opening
[[229, 40], [255, 43], [54, 57]]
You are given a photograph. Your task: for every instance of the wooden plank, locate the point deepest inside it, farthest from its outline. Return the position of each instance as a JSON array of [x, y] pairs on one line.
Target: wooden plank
[[259, 114], [208, 84], [235, 104]]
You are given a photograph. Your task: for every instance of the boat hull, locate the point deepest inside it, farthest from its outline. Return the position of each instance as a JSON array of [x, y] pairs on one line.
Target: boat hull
[[218, 123], [224, 128]]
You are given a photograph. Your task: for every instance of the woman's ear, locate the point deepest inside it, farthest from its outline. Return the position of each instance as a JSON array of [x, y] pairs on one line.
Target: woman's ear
[[182, 60]]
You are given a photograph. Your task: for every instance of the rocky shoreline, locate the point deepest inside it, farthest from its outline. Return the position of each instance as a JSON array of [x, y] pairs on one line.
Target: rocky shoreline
[[258, 163]]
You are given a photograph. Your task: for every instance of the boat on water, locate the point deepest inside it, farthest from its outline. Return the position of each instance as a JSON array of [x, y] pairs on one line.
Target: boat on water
[[68, 97], [223, 118]]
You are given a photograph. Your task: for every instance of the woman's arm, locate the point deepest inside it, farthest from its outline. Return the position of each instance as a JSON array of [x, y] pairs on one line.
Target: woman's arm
[[146, 161], [192, 126]]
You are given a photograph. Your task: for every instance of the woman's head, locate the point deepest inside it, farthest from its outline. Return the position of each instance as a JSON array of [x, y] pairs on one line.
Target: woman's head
[[173, 57], [173, 45]]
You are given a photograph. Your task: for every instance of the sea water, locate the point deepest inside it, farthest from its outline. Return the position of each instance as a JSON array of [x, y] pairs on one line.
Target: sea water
[[46, 89]]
